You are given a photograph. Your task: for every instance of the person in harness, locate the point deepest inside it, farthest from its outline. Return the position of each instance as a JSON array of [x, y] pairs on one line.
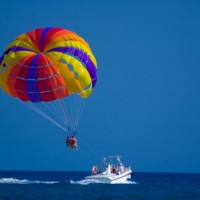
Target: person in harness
[[71, 142]]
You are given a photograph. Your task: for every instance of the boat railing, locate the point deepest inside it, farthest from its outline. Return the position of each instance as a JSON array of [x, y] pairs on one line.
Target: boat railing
[[103, 172], [126, 169]]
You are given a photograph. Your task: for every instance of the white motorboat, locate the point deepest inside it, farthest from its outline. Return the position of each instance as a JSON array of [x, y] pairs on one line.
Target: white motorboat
[[113, 172]]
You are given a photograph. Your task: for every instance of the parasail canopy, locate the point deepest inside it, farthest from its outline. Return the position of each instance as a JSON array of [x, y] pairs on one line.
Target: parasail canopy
[[48, 65]]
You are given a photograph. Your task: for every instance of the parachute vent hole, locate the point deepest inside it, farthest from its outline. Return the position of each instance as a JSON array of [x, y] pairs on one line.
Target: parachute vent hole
[[70, 67]]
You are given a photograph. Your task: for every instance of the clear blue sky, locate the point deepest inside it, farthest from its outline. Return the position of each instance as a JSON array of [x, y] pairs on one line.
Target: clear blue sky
[[146, 104]]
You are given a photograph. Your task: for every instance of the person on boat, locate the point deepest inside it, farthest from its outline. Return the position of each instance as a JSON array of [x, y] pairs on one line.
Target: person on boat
[[94, 170], [113, 169], [121, 169]]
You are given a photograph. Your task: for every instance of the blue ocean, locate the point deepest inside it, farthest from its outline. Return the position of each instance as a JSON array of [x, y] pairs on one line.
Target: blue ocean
[[71, 185]]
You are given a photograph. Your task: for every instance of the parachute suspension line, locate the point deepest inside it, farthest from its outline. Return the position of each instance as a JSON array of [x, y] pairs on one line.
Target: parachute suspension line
[[72, 109], [66, 119], [64, 113], [77, 104], [39, 111], [54, 106], [58, 110], [55, 113], [80, 110]]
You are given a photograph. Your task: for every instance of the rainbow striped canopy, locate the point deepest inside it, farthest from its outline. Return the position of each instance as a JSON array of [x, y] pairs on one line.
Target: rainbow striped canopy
[[47, 64]]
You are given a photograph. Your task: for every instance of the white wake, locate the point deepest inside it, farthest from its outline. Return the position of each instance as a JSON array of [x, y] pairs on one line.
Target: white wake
[[23, 181], [85, 182], [93, 181]]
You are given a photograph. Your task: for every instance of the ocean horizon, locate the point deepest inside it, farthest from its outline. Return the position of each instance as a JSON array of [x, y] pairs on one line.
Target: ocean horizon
[[26, 184]]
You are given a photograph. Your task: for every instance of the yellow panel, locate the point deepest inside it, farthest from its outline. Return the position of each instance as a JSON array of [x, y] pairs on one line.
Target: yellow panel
[[72, 83], [0, 80], [29, 43], [86, 93], [12, 55], [23, 41], [77, 45], [6, 73], [83, 75], [67, 37]]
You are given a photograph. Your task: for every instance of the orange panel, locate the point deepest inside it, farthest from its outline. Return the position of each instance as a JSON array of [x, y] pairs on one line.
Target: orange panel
[[60, 93]]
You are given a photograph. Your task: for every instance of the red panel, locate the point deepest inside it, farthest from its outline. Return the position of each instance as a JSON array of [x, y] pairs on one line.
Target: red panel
[[14, 72], [47, 96], [61, 33], [20, 85], [27, 60], [38, 33], [32, 36], [11, 85], [44, 85], [49, 35], [17, 68], [23, 72], [42, 60], [23, 96], [42, 72], [53, 83], [49, 71], [11, 80]]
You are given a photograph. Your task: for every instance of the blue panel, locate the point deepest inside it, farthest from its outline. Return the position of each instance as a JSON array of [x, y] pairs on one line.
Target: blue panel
[[35, 97], [31, 86], [31, 83], [32, 73], [43, 36]]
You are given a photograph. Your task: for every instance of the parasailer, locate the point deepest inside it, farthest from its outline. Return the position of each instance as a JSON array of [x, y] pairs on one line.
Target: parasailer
[[71, 142], [52, 71]]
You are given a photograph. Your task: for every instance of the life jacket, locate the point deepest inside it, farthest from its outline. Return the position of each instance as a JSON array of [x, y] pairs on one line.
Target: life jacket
[[114, 169], [94, 169], [73, 140]]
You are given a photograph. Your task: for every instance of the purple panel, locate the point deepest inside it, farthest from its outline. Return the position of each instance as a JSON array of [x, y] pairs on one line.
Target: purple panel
[[22, 49], [59, 49], [14, 49], [35, 97], [31, 86], [32, 73], [31, 83], [89, 64], [42, 38], [1, 59]]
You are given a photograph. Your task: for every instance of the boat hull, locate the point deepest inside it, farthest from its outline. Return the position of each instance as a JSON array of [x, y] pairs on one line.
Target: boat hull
[[111, 178]]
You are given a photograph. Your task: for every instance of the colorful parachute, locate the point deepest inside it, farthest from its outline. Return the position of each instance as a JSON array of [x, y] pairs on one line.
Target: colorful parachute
[[46, 65]]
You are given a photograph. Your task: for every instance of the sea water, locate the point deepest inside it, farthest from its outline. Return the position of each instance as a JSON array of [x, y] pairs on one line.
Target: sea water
[[72, 185]]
